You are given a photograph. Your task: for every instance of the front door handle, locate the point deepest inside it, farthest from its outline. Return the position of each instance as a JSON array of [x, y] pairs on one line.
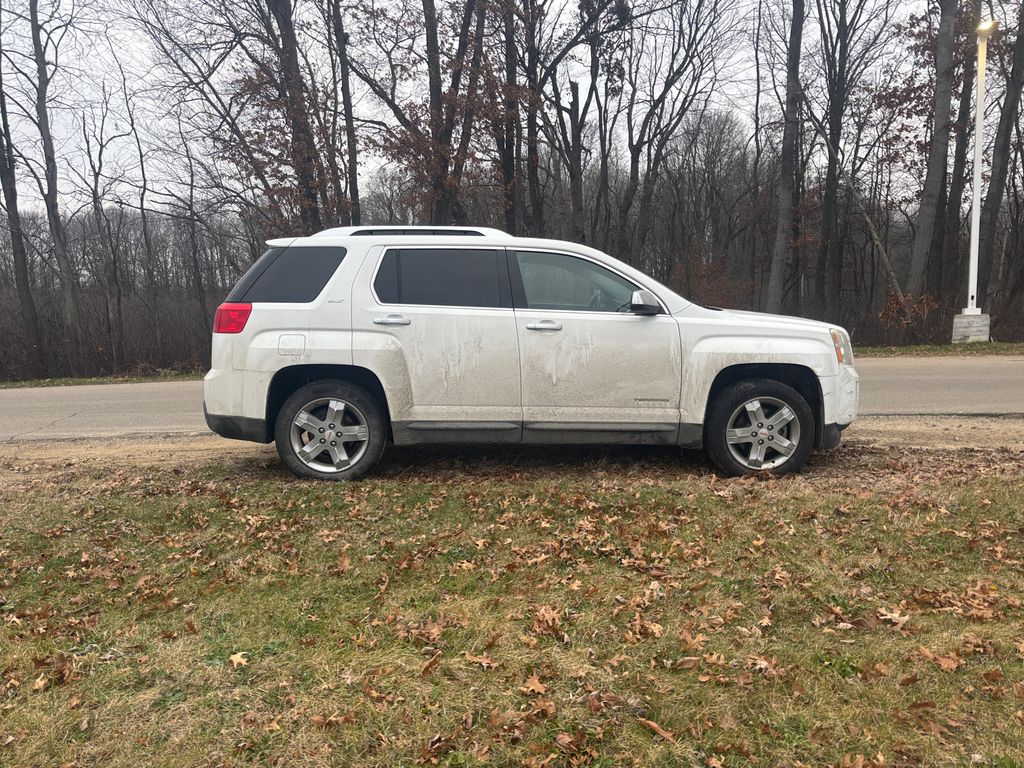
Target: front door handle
[[544, 325], [391, 320]]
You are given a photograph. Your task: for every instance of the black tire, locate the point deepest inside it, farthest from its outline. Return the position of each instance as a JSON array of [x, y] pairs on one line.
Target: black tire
[[361, 409], [726, 407]]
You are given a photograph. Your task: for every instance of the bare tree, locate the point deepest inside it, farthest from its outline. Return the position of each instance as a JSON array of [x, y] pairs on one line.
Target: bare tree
[[9, 183], [47, 34], [677, 42], [1009, 115], [938, 154], [784, 228], [852, 35], [340, 37], [303, 147]]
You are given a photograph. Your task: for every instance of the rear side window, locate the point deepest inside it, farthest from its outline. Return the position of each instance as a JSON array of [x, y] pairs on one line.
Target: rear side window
[[293, 275], [439, 277]]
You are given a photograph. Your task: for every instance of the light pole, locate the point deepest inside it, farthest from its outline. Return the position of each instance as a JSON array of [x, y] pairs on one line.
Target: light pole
[[971, 325]]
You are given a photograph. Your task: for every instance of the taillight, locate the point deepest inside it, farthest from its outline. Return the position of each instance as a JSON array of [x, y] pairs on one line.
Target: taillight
[[231, 318]]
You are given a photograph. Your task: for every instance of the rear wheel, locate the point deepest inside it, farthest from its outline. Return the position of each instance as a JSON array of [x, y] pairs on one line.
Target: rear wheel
[[759, 426], [330, 430]]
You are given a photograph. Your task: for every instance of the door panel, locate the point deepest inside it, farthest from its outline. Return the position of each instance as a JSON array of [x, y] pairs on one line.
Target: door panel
[[455, 368], [599, 374]]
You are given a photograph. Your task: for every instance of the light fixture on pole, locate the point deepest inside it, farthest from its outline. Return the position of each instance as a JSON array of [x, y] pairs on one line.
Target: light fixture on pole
[[971, 325]]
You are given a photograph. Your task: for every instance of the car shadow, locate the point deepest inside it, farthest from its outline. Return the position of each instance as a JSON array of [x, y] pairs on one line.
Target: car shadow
[[557, 461]]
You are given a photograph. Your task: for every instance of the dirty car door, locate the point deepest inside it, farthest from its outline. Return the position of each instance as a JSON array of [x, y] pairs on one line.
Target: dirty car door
[[441, 330], [592, 371]]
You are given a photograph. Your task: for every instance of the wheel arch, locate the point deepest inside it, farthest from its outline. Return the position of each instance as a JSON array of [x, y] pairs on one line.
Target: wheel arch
[[799, 377], [291, 378]]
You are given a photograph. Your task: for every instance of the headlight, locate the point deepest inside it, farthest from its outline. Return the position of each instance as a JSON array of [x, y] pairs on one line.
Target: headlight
[[844, 349]]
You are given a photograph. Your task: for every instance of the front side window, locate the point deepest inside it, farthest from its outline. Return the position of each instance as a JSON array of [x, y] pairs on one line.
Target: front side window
[[557, 281], [440, 277]]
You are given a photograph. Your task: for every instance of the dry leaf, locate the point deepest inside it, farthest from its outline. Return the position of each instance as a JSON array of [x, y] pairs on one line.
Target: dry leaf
[[484, 661], [667, 735], [238, 660], [534, 686], [432, 662]]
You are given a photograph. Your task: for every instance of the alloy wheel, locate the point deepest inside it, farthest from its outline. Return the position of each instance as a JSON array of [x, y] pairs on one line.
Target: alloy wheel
[[763, 433], [329, 435]]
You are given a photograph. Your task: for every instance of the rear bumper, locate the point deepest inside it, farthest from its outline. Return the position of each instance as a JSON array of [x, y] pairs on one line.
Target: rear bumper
[[238, 427]]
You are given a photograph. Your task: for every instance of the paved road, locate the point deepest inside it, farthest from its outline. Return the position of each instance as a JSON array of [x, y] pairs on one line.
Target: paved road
[[889, 386]]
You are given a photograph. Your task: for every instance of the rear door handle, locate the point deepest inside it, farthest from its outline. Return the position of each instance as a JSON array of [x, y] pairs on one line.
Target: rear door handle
[[544, 325], [391, 320]]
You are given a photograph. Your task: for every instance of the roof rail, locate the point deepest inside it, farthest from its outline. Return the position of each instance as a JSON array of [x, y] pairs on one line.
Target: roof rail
[[411, 230]]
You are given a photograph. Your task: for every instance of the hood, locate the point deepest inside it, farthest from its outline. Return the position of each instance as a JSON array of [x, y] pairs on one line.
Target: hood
[[762, 319]]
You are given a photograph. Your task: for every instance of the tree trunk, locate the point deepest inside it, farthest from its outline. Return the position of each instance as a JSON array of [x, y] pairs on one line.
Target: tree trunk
[[938, 154], [579, 231], [341, 40], [535, 222], [829, 224], [507, 149], [68, 277], [951, 250], [441, 208], [29, 315], [783, 246], [1008, 115], [303, 146]]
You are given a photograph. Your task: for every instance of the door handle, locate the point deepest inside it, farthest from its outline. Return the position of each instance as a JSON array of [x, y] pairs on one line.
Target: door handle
[[391, 320], [544, 325]]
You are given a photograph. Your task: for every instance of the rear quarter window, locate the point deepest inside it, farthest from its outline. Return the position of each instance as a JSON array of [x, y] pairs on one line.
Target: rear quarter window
[[288, 275]]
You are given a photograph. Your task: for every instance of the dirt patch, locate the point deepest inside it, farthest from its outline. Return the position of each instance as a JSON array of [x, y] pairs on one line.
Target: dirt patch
[[939, 431], [928, 432]]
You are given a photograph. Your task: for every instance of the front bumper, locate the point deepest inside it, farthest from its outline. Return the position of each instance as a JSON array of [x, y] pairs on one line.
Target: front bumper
[[840, 396], [832, 436]]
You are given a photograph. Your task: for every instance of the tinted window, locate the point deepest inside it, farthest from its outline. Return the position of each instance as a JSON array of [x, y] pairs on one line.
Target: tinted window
[[556, 281], [439, 277], [296, 274]]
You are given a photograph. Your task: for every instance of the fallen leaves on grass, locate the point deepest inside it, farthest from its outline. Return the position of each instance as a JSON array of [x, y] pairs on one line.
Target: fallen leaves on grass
[[653, 726], [238, 660], [533, 686], [483, 660], [949, 662], [333, 720], [432, 662]]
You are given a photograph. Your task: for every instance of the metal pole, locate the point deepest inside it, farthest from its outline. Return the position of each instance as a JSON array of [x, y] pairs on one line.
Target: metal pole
[[979, 146]]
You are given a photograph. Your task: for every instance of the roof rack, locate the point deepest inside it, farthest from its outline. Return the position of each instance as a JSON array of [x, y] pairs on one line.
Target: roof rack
[[413, 230]]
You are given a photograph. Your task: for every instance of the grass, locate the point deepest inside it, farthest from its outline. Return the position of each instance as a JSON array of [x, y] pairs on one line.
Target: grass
[[120, 379], [586, 608], [944, 350]]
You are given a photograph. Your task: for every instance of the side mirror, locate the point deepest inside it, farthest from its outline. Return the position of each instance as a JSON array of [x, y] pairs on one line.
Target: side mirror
[[644, 303]]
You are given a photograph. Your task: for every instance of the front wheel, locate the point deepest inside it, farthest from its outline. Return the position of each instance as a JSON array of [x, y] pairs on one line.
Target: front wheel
[[759, 426], [330, 430]]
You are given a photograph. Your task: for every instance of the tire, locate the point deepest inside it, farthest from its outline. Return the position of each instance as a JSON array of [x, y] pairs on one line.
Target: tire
[[778, 425], [362, 421]]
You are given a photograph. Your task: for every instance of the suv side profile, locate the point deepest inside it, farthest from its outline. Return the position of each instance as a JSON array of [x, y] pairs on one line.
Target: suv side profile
[[336, 344]]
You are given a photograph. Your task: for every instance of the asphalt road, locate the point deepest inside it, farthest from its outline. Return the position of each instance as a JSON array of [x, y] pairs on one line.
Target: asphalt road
[[991, 386]]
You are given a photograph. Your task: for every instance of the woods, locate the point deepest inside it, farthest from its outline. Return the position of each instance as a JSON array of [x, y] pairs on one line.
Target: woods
[[805, 158]]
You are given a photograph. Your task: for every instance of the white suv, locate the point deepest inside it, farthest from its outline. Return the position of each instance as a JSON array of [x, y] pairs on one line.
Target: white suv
[[335, 344]]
